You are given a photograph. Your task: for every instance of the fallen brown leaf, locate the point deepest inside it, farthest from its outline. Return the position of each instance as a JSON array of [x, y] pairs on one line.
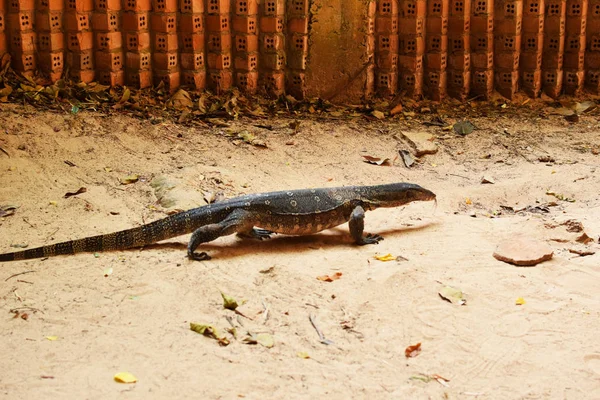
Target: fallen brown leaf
[[413, 351], [376, 160], [330, 278], [79, 191]]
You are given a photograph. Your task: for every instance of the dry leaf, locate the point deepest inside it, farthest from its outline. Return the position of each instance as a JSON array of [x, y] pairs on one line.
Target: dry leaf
[[584, 238], [463, 127], [229, 302], [376, 160], [209, 331], [387, 257], [6, 211], [396, 110], [413, 351], [520, 301], [133, 178], [125, 377], [108, 271], [330, 278], [468, 201], [378, 114], [303, 354], [79, 191], [407, 158], [52, 338], [453, 295]]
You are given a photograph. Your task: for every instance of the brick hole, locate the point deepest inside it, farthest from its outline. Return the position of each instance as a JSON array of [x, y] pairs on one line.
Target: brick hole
[[458, 80], [25, 22], [135, 79], [445, 24], [241, 44], [510, 9], [104, 41], [575, 9], [297, 80], [86, 61], [554, 9], [574, 44], [595, 45], [142, 21], [280, 61], [253, 62], [436, 43], [271, 7], [172, 60], [411, 8], [199, 60], [213, 6], [457, 44], [113, 21], [57, 62], [197, 23], [481, 6], [299, 43], [394, 60], [215, 42], [28, 61], [482, 42], [14, 4], [434, 79], [279, 24], [188, 80], [385, 43], [243, 80], [160, 5], [409, 80], [509, 43], [467, 25], [226, 61], [386, 7], [594, 77], [534, 7], [529, 77], [45, 3], [117, 61], [188, 43], [271, 82], [596, 11], [553, 43], [225, 23], [1, 22], [54, 21], [269, 43], [132, 42], [436, 8], [186, 6], [44, 41], [298, 6], [459, 6], [83, 22], [551, 78], [145, 60], [371, 26], [72, 4], [411, 45], [251, 26], [506, 77], [161, 43], [171, 22], [572, 78], [102, 4], [384, 80], [242, 7], [395, 24], [531, 43], [480, 79]]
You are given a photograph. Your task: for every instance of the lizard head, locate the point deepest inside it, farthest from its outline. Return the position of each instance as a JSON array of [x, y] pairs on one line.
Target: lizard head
[[397, 194]]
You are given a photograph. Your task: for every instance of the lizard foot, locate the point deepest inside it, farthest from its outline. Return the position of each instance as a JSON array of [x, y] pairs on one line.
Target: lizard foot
[[257, 233], [199, 256], [371, 239]]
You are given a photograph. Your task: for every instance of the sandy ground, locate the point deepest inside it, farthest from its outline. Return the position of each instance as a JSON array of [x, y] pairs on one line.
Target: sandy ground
[[137, 318]]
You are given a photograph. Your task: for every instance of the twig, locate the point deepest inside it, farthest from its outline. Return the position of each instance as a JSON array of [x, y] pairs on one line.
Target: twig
[[22, 281], [20, 273], [265, 311], [5, 152], [313, 321]]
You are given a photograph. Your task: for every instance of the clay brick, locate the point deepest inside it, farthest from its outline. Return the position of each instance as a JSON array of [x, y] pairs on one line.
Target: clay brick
[[272, 42], [434, 81], [15, 6], [247, 81], [436, 61], [80, 5], [574, 61], [593, 43], [86, 76], [192, 61], [217, 23], [138, 21], [458, 43], [533, 24], [509, 9], [245, 24], [271, 24], [49, 5], [482, 24], [386, 82], [573, 81], [437, 8], [165, 42], [413, 9], [593, 24], [552, 77], [48, 41], [531, 78], [111, 78], [137, 5], [592, 61], [299, 44], [24, 62], [575, 44], [273, 8], [554, 25], [191, 6], [482, 43], [246, 7], [507, 82], [247, 62], [459, 61], [52, 62], [138, 61], [556, 7], [246, 43], [459, 82], [164, 23], [554, 43], [552, 60], [2, 23], [220, 80], [482, 80], [412, 26], [165, 61], [298, 25], [108, 5], [533, 8], [482, 61], [217, 6], [273, 61], [592, 80], [191, 23], [77, 21], [137, 41], [387, 7], [219, 42], [218, 61], [164, 6], [531, 61], [370, 44], [299, 7], [109, 61], [482, 7], [109, 40], [140, 79], [3, 43], [80, 61], [508, 61], [191, 42], [577, 8], [52, 21], [387, 42], [532, 42], [508, 27], [387, 60], [195, 80], [459, 25], [437, 43], [412, 83], [171, 80], [105, 21], [21, 21], [436, 25], [370, 25], [507, 43], [297, 84], [22, 42], [412, 63], [575, 26], [297, 61], [460, 8], [411, 45]]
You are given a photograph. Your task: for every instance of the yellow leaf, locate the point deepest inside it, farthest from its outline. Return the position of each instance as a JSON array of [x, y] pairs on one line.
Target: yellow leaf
[[52, 338], [125, 377], [12, 168], [468, 201], [53, 203], [520, 301], [265, 340], [387, 257], [107, 169], [130, 179], [303, 354], [107, 272], [378, 114]]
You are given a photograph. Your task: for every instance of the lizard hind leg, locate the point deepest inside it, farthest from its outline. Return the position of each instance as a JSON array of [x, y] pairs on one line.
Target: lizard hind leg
[[357, 226], [237, 221], [256, 233]]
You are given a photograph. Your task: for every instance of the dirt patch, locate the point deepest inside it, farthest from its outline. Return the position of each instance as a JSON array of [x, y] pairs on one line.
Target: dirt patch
[[137, 318]]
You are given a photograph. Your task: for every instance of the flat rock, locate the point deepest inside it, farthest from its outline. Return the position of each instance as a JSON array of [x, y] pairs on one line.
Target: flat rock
[[421, 142], [523, 251]]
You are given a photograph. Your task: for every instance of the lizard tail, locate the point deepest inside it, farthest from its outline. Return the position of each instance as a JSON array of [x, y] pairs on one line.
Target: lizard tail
[[172, 226]]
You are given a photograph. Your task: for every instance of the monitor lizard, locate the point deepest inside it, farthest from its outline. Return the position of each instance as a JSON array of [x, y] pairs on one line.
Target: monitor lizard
[[293, 212]]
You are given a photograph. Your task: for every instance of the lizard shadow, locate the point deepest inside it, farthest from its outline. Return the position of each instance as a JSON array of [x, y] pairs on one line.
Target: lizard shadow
[[282, 244]]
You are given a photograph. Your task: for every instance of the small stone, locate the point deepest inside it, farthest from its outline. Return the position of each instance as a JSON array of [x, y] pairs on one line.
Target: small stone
[[487, 179], [422, 142], [523, 252]]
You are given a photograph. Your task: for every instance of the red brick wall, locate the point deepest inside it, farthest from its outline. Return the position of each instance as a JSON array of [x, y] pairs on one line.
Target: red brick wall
[[431, 48]]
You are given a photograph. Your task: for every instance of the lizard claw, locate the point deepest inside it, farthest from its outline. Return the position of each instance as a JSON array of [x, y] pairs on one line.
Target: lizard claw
[[199, 256], [371, 239], [257, 233]]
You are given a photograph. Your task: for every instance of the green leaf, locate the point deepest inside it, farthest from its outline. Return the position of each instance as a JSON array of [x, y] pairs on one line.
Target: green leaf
[[229, 302]]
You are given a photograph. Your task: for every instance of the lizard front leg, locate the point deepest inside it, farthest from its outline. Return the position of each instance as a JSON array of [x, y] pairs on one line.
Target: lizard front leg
[[357, 226], [237, 221]]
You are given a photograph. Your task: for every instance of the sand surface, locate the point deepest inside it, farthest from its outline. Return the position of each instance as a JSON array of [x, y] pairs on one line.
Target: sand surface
[[137, 318]]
